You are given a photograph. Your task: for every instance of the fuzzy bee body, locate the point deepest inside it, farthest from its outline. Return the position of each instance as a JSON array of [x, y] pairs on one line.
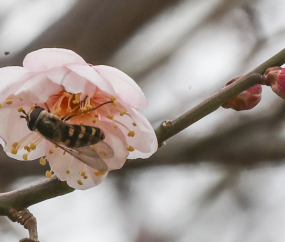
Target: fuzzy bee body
[[71, 135], [77, 140]]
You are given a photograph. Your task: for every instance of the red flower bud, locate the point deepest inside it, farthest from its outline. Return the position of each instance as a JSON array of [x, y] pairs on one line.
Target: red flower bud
[[275, 77], [245, 100]]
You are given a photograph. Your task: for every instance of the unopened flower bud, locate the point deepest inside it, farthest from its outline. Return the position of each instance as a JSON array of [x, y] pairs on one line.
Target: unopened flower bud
[[246, 100], [275, 77]]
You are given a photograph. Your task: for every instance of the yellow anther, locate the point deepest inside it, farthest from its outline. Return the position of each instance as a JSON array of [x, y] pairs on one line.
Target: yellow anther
[[110, 116], [88, 106], [58, 111], [20, 109], [25, 157], [131, 134], [79, 182], [50, 152], [85, 177], [115, 126], [9, 101], [0, 105], [96, 116], [14, 150], [134, 124], [82, 173], [75, 101], [27, 148], [66, 94], [99, 173], [67, 172], [15, 144], [123, 112], [64, 152], [114, 103], [43, 161], [113, 98], [130, 148], [84, 109], [94, 121], [48, 174], [33, 146], [68, 110]]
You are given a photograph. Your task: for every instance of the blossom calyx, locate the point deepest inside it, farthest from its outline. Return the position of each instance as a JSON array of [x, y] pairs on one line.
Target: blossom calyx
[[246, 100], [275, 78]]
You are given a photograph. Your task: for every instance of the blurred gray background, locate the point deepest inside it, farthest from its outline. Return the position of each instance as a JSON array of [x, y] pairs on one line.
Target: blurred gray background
[[223, 178]]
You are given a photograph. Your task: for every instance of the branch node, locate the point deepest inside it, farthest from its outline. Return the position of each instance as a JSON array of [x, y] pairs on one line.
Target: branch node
[[26, 219], [166, 124]]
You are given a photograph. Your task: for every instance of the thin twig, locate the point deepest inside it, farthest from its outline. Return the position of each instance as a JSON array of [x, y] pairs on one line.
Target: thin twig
[[25, 218]]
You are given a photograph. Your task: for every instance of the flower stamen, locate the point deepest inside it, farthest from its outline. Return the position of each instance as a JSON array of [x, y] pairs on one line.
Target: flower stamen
[[43, 161], [99, 173], [48, 174], [130, 148]]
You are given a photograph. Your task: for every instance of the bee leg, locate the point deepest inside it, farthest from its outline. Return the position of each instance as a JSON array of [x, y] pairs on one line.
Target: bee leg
[[47, 107]]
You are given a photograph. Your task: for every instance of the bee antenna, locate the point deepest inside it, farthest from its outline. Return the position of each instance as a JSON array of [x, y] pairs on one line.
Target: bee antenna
[[91, 109], [24, 112], [22, 116]]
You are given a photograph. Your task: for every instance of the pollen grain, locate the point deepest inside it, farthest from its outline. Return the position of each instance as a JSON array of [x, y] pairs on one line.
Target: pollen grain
[[48, 174], [43, 161]]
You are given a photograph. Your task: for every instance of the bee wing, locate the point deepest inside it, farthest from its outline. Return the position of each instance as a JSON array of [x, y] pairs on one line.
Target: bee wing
[[86, 154], [103, 149]]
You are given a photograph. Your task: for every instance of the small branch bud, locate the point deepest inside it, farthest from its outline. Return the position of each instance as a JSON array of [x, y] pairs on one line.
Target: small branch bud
[[275, 78], [166, 124], [246, 100]]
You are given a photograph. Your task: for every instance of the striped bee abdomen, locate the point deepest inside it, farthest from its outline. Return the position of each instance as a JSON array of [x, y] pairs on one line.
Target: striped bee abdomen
[[81, 135]]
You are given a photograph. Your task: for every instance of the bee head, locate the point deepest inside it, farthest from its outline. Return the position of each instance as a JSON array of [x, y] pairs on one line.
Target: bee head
[[32, 117]]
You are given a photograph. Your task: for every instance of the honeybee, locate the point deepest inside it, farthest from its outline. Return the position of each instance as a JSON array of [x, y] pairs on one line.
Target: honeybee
[[75, 139]]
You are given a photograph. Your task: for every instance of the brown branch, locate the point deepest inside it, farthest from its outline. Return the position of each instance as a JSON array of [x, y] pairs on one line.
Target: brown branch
[[50, 188]]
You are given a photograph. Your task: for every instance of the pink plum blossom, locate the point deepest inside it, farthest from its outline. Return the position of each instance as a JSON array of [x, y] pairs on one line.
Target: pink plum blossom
[[275, 78], [61, 80], [246, 100]]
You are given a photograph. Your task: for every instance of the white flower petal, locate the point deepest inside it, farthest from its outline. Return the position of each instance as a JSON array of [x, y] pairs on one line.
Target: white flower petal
[[12, 128], [115, 138], [71, 82], [38, 89], [60, 163], [144, 141], [92, 76], [12, 79], [45, 59], [125, 87]]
